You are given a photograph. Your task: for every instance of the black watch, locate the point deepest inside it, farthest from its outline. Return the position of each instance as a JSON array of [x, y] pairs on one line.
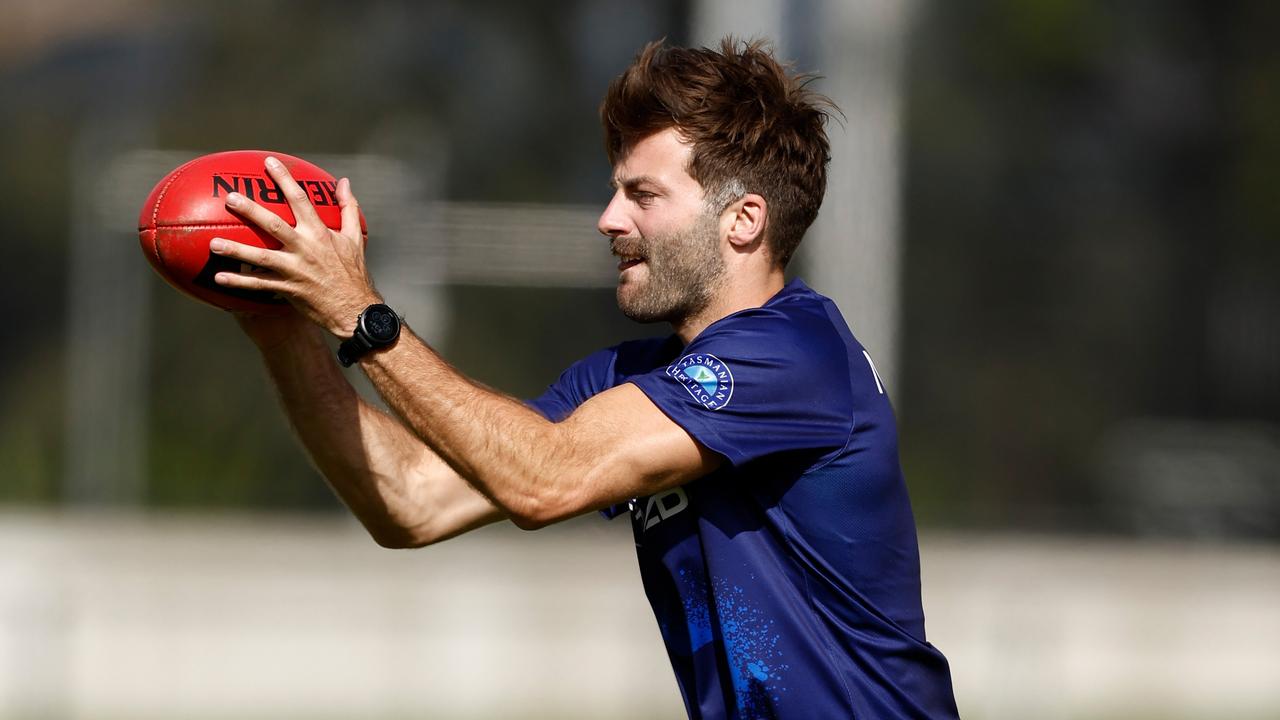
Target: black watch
[[377, 327]]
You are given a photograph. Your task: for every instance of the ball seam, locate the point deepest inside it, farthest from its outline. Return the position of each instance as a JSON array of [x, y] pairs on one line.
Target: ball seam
[[200, 226], [173, 177], [155, 211]]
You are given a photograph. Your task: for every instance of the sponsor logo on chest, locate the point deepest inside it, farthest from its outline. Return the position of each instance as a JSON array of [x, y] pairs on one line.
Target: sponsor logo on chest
[[652, 510]]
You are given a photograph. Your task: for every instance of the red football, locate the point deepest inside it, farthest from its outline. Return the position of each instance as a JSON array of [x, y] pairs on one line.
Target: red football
[[187, 209]]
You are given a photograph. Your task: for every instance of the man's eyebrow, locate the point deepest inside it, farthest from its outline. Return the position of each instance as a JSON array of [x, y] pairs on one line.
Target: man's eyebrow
[[631, 183]]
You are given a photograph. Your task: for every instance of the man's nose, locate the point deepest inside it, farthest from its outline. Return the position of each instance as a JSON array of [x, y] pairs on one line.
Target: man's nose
[[614, 221]]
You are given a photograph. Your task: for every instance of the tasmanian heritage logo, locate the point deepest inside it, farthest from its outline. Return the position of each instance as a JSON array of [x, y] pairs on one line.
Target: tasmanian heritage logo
[[706, 378]]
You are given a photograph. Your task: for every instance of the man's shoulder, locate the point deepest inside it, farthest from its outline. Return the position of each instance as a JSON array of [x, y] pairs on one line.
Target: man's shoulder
[[635, 357], [797, 323]]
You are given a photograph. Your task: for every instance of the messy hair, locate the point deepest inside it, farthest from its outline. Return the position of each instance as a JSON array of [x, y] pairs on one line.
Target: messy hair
[[754, 127]]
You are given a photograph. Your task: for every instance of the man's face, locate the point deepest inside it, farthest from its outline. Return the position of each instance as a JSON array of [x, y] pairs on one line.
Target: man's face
[[667, 240]]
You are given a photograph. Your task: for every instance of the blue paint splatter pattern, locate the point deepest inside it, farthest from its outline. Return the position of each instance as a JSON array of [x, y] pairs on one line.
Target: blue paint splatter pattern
[[696, 616], [752, 649], [755, 662]]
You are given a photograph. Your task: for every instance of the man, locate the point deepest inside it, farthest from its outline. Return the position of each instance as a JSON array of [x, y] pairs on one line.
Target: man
[[754, 448]]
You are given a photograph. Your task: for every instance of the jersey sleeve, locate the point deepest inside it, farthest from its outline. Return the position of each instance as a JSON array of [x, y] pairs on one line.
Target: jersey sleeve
[[575, 386], [758, 383]]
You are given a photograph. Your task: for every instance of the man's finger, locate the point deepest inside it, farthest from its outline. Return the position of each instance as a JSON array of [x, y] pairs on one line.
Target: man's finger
[[303, 211], [273, 224], [350, 210], [265, 282], [268, 259]]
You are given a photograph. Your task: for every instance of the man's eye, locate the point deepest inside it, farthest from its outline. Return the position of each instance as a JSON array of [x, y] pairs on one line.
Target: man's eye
[[644, 198]]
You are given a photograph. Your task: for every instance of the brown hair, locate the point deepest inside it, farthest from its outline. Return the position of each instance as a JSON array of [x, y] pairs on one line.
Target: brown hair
[[754, 127]]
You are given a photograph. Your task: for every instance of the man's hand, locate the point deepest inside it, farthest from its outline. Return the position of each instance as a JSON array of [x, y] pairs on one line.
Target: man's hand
[[320, 271]]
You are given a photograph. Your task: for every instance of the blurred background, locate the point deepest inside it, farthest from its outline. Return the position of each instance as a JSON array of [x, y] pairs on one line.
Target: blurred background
[[1054, 223]]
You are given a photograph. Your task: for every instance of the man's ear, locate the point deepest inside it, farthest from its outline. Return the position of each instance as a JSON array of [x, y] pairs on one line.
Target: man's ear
[[747, 219]]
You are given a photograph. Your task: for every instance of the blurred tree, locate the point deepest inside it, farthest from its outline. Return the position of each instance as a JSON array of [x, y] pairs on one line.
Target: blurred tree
[[1086, 185]]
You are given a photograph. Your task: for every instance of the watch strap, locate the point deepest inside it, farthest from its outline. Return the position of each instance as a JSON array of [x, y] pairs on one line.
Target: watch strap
[[353, 348]]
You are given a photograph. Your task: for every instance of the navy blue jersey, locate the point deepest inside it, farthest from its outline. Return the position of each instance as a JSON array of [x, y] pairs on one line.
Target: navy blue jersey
[[787, 583]]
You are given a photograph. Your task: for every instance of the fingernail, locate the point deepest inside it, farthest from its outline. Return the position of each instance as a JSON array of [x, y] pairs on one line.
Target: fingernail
[[272, 162], [234, 199], [217, 245]]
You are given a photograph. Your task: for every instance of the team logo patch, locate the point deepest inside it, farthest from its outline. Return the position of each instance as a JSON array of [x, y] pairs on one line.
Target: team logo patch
[[706, 378]]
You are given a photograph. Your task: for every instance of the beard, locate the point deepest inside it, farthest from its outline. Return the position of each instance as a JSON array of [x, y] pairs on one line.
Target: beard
[[682, 271]]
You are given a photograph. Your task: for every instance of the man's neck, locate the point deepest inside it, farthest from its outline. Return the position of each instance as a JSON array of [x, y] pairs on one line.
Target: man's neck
[[730, 298]]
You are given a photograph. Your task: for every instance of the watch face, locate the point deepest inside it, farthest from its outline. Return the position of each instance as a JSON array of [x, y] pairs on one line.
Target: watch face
[[381, 323]]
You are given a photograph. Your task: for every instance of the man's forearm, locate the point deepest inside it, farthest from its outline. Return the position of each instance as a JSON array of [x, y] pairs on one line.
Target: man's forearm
[[388, 478], [504, 449]]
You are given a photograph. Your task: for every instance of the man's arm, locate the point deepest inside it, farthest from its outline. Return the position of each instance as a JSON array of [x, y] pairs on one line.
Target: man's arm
[[616, 446], [401, 491]]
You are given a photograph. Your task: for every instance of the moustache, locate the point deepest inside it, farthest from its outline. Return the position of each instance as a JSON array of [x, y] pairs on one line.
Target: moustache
[[629, 247]]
